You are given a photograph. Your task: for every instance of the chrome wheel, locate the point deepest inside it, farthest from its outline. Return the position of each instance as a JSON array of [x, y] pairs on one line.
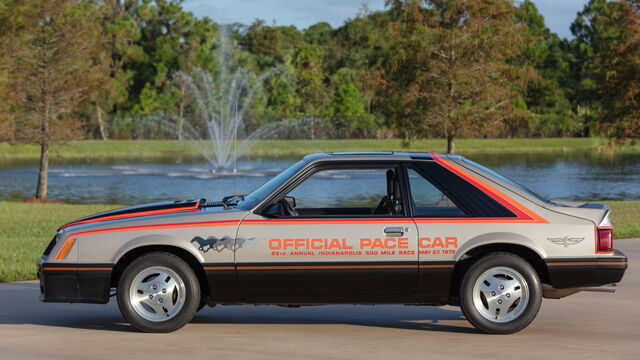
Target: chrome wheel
[[500, 294], [157, 293]]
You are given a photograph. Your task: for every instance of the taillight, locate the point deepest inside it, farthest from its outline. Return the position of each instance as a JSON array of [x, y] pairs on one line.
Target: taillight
[[605, 239]]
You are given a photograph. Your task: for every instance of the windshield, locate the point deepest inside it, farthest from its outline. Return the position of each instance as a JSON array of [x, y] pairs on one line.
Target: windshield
[[253, 199], [506, 180]]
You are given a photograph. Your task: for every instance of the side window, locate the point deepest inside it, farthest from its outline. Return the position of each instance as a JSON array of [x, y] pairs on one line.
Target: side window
[[428, 200], [349, 192], [473, 201]]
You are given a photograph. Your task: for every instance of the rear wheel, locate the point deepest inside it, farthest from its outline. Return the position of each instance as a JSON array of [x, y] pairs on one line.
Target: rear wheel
[[158, 292], [500, 294]]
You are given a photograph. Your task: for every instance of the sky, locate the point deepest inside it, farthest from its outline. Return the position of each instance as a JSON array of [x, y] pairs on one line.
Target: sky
[[558, 14]]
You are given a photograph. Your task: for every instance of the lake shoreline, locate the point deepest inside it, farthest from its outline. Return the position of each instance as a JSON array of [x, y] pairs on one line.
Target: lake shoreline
[[149, 150]]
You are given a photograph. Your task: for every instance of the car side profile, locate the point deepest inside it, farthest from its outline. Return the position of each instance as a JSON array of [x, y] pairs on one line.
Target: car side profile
[[342, 228]]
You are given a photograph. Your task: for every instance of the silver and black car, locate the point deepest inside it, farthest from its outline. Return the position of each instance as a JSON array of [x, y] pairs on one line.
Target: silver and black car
[[392, 228]]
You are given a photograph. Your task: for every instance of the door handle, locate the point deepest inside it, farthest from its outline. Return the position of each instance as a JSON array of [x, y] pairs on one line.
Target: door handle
[[394, 231]]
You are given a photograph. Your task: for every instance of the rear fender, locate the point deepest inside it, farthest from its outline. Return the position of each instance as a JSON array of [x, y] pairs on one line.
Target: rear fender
[[499, 238]]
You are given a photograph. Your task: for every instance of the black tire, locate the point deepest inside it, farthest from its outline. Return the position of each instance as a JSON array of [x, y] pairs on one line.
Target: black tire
[[191, 294], [526, 313]]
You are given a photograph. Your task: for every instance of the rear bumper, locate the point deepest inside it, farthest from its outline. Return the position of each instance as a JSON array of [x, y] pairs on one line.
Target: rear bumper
[[595, 271], [74, 283]]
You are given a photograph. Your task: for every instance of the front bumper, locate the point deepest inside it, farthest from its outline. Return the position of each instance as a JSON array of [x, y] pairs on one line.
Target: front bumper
[[74, 283], [578, 272]]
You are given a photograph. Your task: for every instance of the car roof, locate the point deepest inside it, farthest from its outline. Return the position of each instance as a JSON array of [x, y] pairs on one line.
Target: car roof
[[375, 155]]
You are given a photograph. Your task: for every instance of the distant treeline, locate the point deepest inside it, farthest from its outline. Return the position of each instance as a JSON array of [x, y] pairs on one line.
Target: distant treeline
[[418, 69]]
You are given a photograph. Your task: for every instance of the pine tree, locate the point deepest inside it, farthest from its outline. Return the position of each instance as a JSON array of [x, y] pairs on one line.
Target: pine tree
[[55, 48]]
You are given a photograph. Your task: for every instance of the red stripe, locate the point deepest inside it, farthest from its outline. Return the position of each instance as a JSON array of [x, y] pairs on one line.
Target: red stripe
[[134, 214], [326, 221], [160, 226], [523, 214], [47, 268]]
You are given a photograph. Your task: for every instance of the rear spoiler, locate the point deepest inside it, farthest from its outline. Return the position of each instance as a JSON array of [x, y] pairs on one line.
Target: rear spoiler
[[596, 212]]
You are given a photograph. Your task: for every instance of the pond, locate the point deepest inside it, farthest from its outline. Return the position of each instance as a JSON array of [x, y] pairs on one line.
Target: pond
[[555, 176]]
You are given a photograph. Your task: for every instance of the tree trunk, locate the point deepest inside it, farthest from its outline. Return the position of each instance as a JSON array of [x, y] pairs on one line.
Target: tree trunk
[[451, 145], [103, 131], [181, 109], [180, 119], [43, 175], [313, 128]]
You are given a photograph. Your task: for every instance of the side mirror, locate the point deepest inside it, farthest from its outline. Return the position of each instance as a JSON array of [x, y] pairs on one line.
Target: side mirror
[[281, 208], [291, 200], [274, 210]]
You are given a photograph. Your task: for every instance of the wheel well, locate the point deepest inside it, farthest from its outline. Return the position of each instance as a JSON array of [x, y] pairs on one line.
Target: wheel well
[[133, 254], [473, 255]]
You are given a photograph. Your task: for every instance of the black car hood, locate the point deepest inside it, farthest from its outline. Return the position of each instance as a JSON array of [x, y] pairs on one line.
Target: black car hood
[[168, 207]]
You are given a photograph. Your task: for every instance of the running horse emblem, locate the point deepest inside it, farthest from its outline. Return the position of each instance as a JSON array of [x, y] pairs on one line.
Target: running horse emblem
[[213, 243]]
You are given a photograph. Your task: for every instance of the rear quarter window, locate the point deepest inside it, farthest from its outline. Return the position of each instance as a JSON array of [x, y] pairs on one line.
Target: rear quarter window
[[472, 201]]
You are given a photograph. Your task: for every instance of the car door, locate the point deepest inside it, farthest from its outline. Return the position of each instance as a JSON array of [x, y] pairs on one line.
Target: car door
[[349, 236]]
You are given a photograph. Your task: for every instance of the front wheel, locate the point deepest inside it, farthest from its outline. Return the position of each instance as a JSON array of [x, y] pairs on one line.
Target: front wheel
[[500, 294], [158, 292]]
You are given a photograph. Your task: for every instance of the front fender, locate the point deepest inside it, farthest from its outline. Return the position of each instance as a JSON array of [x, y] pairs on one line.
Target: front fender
[[155, 240]]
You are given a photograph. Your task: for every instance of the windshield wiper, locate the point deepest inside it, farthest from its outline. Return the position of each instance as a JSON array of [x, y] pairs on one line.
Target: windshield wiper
[[232, 200]]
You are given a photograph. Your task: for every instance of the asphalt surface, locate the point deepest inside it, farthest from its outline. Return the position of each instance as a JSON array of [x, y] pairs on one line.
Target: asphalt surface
[[585, 325]]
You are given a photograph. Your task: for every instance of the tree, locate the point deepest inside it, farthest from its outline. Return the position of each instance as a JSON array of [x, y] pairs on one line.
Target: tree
[[7, 99], [448, 68], [582, 49], [551, 112], [319, 33], [312, 90], [121, 34], [617, 70], [55, 47]]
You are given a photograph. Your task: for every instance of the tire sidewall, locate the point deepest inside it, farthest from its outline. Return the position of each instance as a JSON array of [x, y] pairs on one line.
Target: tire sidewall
[[497, 260], [182, 269]]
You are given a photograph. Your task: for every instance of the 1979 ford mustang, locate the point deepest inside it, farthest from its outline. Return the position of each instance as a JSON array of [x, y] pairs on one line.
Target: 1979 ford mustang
[[384, 227]]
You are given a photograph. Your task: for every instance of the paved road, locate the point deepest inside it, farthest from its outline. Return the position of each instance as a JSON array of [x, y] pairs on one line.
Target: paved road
[[585, 325]]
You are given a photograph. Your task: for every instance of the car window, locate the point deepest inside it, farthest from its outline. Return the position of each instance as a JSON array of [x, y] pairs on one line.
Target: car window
[[428, 200], [255, 197], [520, 187], [346, 192]]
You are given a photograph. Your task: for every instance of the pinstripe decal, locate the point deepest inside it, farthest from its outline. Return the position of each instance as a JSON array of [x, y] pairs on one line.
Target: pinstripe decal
[[134, 214], [523, 214]]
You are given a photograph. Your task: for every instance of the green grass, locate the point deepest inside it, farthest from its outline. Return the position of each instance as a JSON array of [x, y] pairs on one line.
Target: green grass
[[170, 149], [26, 229], [626, 218]]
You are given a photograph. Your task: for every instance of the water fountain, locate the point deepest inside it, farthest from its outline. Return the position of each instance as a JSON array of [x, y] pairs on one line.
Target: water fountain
[[217, 127]]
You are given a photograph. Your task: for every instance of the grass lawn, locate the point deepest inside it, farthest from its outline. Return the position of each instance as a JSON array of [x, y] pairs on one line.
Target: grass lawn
[[26, 229], [158, 149]]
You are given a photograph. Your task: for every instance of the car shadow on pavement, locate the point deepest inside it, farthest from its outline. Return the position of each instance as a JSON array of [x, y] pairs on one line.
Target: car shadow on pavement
[[383, 316], [20, 305]]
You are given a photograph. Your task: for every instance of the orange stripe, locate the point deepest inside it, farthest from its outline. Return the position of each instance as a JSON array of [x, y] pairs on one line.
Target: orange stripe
[[389, 221], [75, 268], [65, 248], [436, 266], [311, 267], [590, 263], [161, 226], [134, 214], [219, 268], [494, 193]]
